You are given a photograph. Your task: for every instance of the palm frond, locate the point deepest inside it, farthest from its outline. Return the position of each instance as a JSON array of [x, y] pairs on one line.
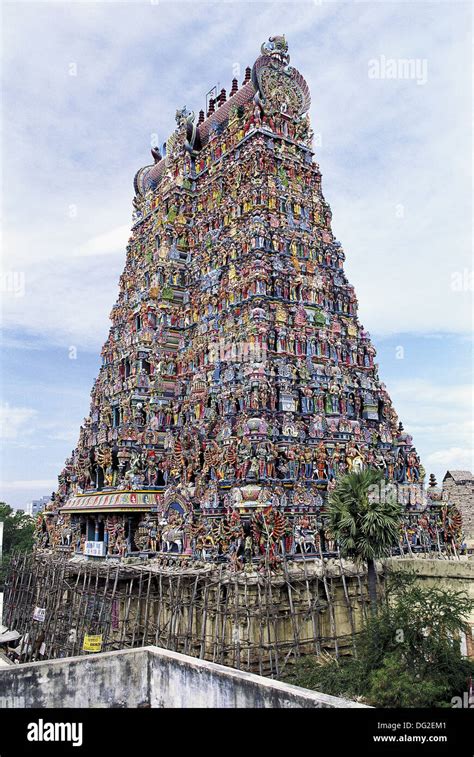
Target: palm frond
[[365, 526]]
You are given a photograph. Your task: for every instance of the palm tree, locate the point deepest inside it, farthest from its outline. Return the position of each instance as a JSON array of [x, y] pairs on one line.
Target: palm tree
[[364, 517]]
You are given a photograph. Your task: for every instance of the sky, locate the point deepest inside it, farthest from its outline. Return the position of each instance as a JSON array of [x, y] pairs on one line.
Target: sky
[[89, 86]]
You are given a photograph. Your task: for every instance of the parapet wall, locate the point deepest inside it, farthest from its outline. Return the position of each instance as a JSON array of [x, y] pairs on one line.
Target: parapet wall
[[452, 574], [149, 677], [456, 575]]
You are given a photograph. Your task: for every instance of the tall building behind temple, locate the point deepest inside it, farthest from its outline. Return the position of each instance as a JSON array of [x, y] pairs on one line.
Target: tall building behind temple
[[36, 506], [237, 382]]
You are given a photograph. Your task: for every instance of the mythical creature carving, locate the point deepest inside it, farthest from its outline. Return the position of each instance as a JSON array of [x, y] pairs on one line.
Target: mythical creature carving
[[185, 120], [277, 49]]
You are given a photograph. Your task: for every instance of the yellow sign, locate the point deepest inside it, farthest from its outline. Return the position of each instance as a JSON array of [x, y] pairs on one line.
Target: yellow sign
[[92, 643]]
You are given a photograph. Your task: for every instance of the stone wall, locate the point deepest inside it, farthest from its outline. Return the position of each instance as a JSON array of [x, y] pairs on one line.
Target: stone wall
[[456, 575], [461, 494], [149, 677], [252, 622]]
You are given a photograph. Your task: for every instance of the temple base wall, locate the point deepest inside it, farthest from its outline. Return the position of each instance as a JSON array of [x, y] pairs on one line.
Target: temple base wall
[[254, 621]]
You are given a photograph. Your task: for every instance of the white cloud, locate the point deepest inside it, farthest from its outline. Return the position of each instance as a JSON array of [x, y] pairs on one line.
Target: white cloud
[[440, 418], [426, 392], [68, 302], [113, 241], [384, 143], [27, 485], [457, 458], [15, 421]]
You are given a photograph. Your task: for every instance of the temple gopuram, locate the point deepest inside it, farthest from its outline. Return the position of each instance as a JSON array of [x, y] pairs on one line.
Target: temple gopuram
[[237, 382]]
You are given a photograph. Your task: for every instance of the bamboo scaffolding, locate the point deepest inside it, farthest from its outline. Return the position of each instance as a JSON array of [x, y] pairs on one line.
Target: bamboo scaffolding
[[253, 621], [247, 614], [236, 639], [160, 606], [176, 615], [311, 609], [187, 643], [204, 619], [126, 616], [83, 619], [363, 601], [330, 604], [292, 609], [104, 618], [56, 615], [147, 601], [271, 623], [349, 605], [260, 632], [112, 610], [137, 614]]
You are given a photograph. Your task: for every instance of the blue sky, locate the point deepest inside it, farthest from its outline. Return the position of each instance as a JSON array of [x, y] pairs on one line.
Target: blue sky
[[87, 86]]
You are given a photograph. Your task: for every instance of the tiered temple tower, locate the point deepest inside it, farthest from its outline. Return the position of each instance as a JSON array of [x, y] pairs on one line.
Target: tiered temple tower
[[237, 382]]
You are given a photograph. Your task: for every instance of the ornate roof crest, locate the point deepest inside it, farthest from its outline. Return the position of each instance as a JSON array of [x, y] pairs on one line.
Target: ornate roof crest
[[279, 86], [184, 116], [277, 49]]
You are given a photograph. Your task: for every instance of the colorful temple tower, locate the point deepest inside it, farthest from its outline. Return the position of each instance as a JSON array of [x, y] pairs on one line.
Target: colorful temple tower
[[237, 382]]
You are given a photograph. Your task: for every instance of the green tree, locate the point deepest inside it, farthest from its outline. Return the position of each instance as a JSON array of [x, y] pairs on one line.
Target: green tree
[[392, 685], [18, 530], [408, 654], [364, 517], [420, 624]]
